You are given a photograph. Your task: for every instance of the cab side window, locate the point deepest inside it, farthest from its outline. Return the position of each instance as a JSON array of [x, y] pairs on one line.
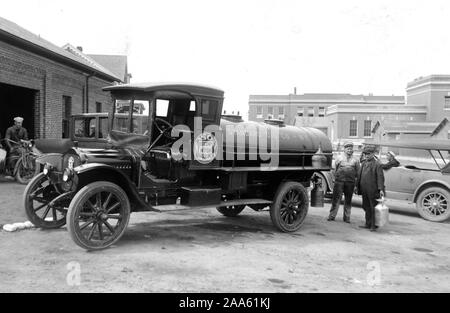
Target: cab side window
[[209, 109]]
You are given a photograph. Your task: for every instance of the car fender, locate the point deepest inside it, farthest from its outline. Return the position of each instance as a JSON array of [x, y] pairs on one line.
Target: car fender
[[328, 176], [427, 183], [91, 172]]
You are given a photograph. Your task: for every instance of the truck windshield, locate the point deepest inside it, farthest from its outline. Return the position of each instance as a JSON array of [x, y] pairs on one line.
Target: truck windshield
[[140, 116], [121, 121], [121, 115]]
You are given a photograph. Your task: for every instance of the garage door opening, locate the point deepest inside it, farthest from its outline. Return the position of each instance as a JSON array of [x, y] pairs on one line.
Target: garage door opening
[[17, 101]]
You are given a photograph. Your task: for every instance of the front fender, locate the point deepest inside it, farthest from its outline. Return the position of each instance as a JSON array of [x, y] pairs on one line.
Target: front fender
[[426, 183], [91, 172]]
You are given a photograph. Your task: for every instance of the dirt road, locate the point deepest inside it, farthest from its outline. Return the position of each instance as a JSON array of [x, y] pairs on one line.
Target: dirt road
[[202, 251]]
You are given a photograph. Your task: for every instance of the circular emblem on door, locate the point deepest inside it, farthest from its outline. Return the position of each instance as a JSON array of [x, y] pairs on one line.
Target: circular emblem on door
[[205, 148]]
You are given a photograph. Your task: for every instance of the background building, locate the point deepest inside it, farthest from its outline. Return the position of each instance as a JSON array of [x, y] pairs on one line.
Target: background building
[[340, 116], [433, 92], [45, 83]]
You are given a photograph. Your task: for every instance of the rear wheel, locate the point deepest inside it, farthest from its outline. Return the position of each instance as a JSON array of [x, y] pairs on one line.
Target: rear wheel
[[98, 215], [40, 207], [290, 207], [25, 172], [433, 204]]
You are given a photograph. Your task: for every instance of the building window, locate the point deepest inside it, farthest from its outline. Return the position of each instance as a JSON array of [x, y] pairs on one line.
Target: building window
[[300, 111], [67, 112], [311, 111], [259, 111], [367, 128], [321, 111], [270, 112], [353, 128], [98, 107], [281, 113], [447, 103]]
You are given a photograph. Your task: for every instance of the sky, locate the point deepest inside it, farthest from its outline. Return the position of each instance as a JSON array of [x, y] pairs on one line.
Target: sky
[[255, 47]]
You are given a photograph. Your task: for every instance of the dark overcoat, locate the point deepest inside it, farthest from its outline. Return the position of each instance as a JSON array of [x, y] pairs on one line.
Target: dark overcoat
[[370, 178]]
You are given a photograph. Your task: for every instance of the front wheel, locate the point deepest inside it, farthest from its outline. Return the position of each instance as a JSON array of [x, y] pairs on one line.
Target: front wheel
[[433, 204], [98, 215], [45, 206], [290, 206]]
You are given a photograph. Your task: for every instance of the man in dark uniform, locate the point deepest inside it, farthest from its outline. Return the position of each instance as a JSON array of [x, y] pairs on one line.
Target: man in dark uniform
[[346, 172], [15, 133], [370, 185]]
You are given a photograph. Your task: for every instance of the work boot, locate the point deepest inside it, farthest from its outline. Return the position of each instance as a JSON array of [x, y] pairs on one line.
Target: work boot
[[330, 218]]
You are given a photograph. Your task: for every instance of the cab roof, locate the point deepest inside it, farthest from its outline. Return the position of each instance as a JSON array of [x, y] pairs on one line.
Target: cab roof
[[196, 89]]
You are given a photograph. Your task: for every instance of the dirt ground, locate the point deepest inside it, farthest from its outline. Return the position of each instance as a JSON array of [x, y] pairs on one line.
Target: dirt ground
[[202, 251]]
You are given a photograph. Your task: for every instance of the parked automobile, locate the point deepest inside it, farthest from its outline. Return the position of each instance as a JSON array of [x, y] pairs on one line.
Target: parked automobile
[[423, 182], [86, 130], [90, 130], [173, 151]]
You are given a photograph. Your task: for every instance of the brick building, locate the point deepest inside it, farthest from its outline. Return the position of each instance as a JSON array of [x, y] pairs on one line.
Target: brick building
[[46, 84]]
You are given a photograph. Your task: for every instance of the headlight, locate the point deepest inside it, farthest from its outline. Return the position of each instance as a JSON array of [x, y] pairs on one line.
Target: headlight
[[47, 168], [67, 175]]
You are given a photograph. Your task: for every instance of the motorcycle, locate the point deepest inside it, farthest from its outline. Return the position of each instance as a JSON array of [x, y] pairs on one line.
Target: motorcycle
[[20, 162]]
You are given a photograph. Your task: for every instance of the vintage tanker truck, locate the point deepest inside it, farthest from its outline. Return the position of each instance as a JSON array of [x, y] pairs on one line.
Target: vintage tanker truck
[[171, 150]]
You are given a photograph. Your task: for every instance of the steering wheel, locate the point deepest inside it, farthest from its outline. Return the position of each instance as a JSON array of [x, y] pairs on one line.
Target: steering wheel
[[163, 129]]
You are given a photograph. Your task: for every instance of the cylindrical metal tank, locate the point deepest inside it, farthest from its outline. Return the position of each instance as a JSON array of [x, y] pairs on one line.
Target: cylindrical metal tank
[[288, 141]]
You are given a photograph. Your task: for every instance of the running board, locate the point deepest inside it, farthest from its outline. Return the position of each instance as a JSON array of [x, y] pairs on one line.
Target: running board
[[180, 207]]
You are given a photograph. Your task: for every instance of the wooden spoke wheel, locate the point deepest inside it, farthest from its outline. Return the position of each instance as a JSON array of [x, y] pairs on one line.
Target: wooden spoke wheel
[[40, 205], [433, 204], [98, 215], [290, 207], [26, 172]]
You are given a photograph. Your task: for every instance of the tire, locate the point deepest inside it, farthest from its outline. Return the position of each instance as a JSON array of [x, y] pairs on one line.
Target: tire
[[98, 215], [230, 211], [23, 175], [35, 203], [290, 207], [433, 204]]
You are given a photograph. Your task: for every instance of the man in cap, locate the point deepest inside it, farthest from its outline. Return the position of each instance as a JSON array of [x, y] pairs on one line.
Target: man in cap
[[392, 161], [15, 133], [346, 172], [370, 185]]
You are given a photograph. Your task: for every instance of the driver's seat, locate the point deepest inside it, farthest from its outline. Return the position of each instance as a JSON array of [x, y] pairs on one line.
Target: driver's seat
[[178, 120]]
